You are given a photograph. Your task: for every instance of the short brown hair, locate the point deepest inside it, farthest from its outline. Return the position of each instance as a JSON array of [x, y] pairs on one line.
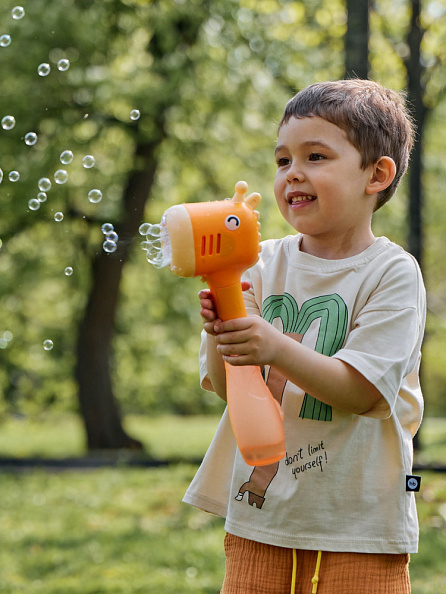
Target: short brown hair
[[375, 120]]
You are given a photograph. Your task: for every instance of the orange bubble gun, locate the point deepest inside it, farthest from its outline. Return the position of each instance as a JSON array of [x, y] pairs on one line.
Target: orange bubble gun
[[218, 241]]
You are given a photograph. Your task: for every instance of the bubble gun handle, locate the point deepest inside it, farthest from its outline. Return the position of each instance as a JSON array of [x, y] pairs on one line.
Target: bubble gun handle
[[219, 241]]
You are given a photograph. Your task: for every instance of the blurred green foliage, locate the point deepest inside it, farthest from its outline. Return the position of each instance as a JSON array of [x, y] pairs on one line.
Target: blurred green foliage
[[221, 125]]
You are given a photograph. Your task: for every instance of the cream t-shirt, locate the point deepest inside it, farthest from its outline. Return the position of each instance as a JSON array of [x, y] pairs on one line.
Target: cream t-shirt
[[342, 484]]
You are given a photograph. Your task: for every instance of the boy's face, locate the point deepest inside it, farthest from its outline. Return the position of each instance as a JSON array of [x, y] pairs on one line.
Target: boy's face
[[320, 185]]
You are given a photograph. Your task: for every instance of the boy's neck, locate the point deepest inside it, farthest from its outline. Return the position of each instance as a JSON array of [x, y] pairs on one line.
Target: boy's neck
[[336, 248]]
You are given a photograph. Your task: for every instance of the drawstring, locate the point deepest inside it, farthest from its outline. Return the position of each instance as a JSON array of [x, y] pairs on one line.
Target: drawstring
[[293, 577], [314, 579]]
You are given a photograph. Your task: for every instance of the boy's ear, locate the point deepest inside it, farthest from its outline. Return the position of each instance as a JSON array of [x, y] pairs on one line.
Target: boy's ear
[[383, 174]]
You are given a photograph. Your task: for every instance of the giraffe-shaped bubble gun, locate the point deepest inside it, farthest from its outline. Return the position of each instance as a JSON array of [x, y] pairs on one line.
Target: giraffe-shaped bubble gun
[[218, 241]]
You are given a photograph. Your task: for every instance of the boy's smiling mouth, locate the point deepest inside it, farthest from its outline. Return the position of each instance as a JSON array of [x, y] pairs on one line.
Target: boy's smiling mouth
[[298, 197]]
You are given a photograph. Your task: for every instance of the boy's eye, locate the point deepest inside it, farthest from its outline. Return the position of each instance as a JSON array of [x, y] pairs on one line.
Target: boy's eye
[[316, 157], [282, 161]]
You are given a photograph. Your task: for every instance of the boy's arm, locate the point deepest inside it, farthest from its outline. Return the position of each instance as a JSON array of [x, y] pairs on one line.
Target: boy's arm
[[330, 380]]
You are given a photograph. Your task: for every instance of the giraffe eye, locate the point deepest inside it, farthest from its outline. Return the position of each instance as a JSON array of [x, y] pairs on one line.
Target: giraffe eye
[[232, 222]]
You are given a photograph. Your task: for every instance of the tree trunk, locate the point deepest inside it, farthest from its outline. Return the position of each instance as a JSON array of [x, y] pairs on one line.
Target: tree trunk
[[357, 39], [99, 408], [415, 98]]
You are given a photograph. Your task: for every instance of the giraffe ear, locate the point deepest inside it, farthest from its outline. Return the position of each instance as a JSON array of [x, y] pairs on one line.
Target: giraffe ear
[[253, 200], [240, 190]]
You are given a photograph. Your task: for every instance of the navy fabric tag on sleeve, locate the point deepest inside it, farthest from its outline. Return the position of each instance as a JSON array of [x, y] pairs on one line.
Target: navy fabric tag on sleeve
[[413, 482]]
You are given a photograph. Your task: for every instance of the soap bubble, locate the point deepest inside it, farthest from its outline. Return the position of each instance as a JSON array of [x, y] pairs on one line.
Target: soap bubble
[[63, 64], [1, 175], [157, 257], [5, 40], [66, 157], [14, 176], [88, 161], [58, 217], [109, 246], [155, 230], [41, 197], [112, 236], [43, 69], [44, 184], [95, 196], [157, 244], [18, 12], [144, 228], [107, 228], [33, 204], [30, 138], [8, 335], [8, 122], [48, 345], [135, 114], [61, 176], [68, 271]]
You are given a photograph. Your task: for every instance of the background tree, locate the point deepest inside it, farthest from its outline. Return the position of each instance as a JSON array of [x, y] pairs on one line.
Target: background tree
[[357, 39], [173, 35], [415, 96]]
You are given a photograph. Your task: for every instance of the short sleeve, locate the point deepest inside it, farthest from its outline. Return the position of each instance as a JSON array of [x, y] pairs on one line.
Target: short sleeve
[[205, 381], [385, 341]]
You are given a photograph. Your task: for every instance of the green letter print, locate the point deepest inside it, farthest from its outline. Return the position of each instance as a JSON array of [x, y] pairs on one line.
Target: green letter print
[[333, 313]]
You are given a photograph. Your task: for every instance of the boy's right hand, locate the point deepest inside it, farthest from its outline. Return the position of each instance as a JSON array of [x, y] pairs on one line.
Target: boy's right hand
[[207, 311]]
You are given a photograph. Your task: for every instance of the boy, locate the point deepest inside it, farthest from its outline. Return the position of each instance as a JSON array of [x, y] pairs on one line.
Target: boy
[[336, 318]]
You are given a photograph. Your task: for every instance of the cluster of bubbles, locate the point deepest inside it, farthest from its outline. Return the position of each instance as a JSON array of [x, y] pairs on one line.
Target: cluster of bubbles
[[110, 244], [156, 244], [43, 69], [61, 176]]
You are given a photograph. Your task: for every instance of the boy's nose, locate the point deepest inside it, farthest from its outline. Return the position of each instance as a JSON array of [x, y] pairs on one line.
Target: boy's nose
[[295, 173]]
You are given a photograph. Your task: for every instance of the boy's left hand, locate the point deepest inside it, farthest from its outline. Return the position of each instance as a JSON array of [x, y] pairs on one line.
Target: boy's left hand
[[253, 340]]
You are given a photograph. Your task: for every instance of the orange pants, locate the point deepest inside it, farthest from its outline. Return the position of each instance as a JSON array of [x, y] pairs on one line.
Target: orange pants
[[256, 568]]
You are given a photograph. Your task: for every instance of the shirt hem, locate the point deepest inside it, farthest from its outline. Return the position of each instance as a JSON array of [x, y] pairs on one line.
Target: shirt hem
[[206, 504], [322, 542]]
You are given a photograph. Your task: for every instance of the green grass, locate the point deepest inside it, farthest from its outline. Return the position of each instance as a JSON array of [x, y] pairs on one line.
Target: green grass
[[62, 436], [106, 531], [125, 530]]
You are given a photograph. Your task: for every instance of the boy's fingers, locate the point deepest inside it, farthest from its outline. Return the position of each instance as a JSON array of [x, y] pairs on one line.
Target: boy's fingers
[[209, 328], [235, 325], [208, 305], [204, 294]]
